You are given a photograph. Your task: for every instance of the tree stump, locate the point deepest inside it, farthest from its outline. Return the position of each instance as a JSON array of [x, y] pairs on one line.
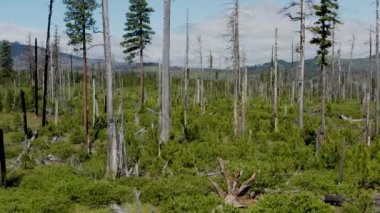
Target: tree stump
[[237, 193]]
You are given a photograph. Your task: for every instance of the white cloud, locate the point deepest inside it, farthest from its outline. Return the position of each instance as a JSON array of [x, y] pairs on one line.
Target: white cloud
[[258, 22]]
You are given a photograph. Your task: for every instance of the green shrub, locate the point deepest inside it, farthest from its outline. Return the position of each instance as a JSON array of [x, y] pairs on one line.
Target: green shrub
[[292, 203]]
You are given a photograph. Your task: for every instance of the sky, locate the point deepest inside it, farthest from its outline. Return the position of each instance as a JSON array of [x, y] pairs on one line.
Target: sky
[[259, 18]]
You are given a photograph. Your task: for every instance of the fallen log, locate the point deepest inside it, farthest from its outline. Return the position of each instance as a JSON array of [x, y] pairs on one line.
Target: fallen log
[[335, 200], [349, 119]]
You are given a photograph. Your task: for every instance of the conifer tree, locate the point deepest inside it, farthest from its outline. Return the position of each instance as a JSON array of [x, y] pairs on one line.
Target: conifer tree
[[138, 35], [79, 23], [6, 61], [327, 15]]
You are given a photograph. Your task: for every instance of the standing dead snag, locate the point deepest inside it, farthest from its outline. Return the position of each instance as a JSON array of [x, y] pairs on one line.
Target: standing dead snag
[[236, 194]]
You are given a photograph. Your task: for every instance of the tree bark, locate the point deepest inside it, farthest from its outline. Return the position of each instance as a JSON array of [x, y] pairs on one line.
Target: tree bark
[[236, 64], [23, 105], [350, 77], [44, 121], [368, 117], [275, 85], [321, 135], [302, 67], [165, 98], [111, 130], [35, 77], [377, 105], [186, 75]]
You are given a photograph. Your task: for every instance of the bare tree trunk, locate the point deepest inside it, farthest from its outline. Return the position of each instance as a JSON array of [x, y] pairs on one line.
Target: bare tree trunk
[[56, 111], [350, 77], [111, 130], [23, 105], [322, 85], [46, 65], [200, 77], [370, 70], [122, 168], [93, 102], [275, 86], [302, 67], [142, 76], [165, 117], [368, 117], [341, 162], [35, 77], [333, 72], [236, 65], [186, 74], [339, 73], [244, 101], [377, 70]]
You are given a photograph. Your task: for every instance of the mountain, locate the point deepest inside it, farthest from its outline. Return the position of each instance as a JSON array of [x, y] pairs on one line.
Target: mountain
[[20, 56], [359, 65]]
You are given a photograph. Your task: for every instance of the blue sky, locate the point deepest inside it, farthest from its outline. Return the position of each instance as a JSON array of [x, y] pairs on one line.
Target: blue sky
[[17, 17]]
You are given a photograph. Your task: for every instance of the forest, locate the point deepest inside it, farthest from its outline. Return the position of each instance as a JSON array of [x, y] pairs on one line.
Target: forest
[[79, 134]]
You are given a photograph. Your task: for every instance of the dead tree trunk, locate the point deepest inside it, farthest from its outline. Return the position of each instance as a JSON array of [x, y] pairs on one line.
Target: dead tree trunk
[[244, 101], [339, 73], [2, 160], [122, 169], [23, 105], [111, 130], [165, 98], [341, 162], [322, 130], [35, 77], [236, 193], [186, 76], [302, 66], [46, 65], [377, 105], [236, 64], [275, 86], [350, 76], [368, 117]]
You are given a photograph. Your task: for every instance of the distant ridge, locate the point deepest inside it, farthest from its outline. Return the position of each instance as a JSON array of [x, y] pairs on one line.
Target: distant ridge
[[20, 52]]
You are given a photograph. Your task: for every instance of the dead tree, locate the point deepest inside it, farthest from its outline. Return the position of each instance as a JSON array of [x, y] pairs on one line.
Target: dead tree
[[377, 105], [23, 105], [341, 162], [234, 27], [274, 84], [350, 76], [300, 78], [186, 76], [237, 192], [368, 116], [111, 129], [46, 65], [244, 101], [35, 77], [165, 98]]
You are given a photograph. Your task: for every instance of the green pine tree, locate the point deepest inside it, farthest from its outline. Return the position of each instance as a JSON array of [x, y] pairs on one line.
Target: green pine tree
[[138, 35], [80, 22], [6, 61], [327, 15], [79, 26]]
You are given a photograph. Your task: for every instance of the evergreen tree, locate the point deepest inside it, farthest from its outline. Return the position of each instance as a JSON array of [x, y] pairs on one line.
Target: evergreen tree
[[79, 22], [6, 61], [327, 15], [138, 35]]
